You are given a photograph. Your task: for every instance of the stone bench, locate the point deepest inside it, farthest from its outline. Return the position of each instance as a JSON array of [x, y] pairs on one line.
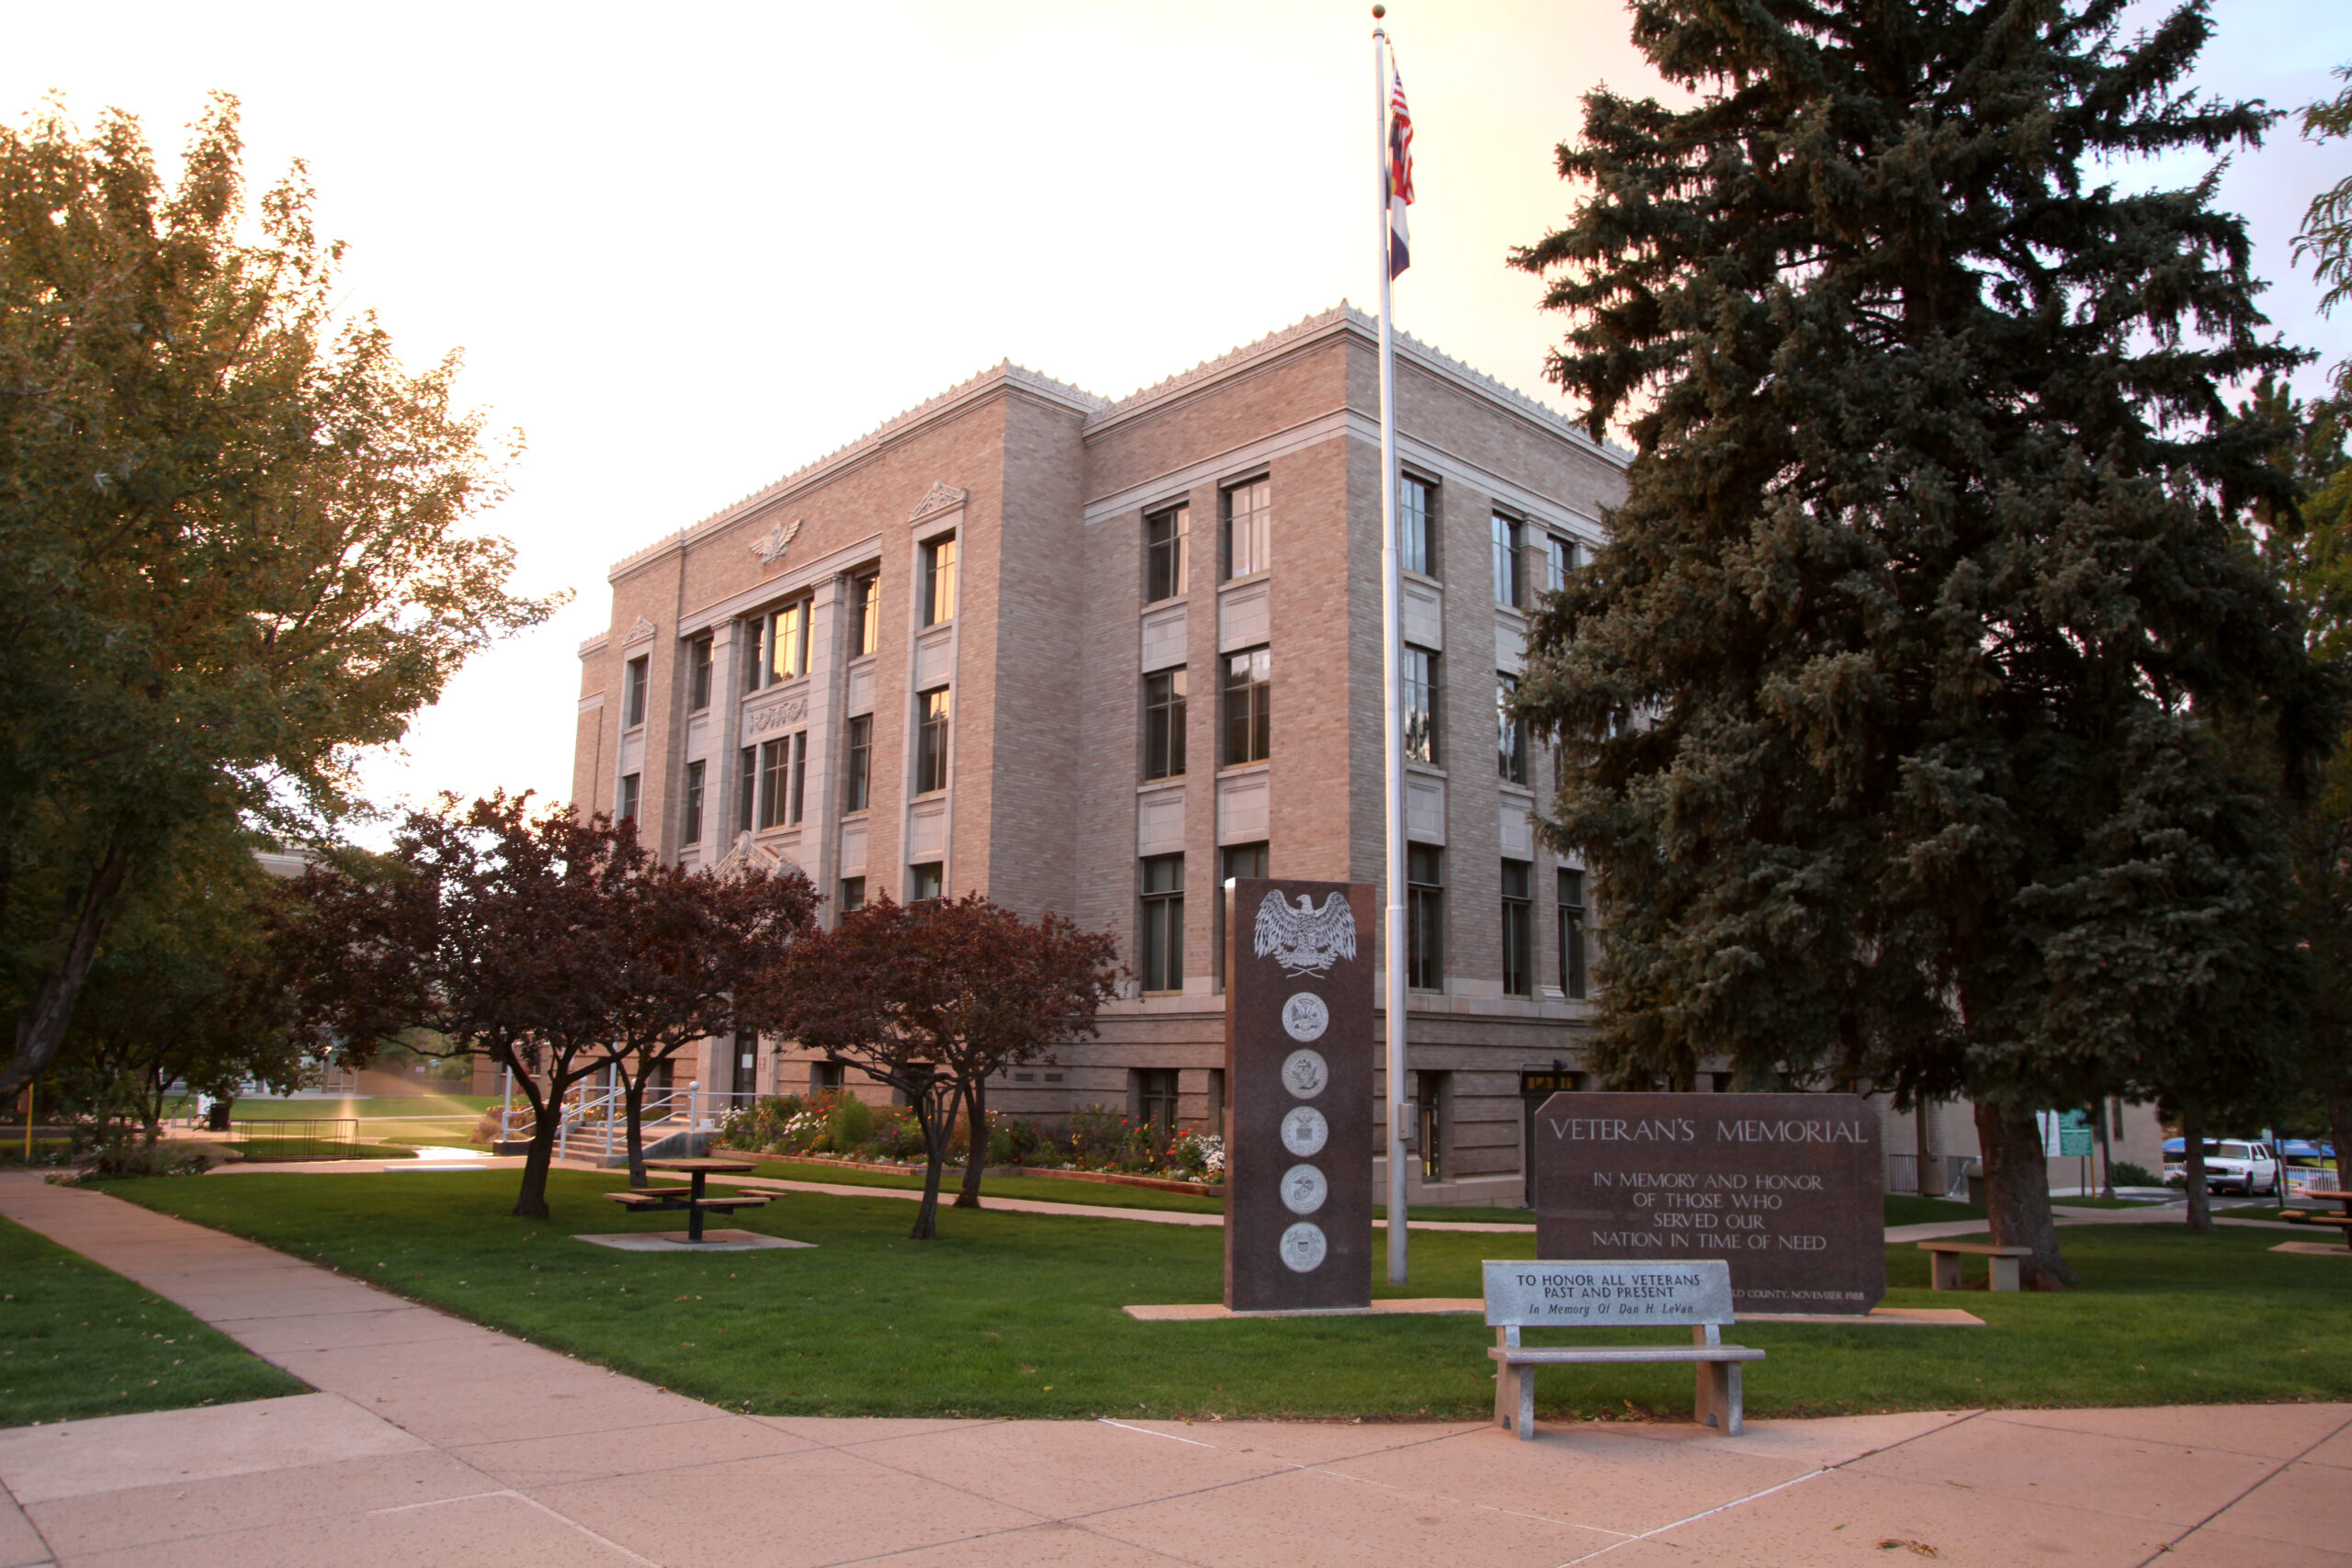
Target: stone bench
[[1613, 1295], [2006, 1274]]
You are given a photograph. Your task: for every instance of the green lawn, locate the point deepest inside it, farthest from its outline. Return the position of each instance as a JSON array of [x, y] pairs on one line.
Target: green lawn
[[263, 1150], [77, 1341], [1017, 1314]]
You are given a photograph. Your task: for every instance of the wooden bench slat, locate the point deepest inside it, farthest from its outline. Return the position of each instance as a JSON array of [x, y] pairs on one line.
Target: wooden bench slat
[[1575, 1355], [1977, 1248], [646, 1199], [729, 1203]]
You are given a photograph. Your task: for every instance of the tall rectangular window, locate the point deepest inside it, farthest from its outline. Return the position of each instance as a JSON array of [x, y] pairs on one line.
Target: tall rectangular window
[[1161, 929], [690, 829], [853, 894], [799, 777], [1248, 527], [1424, 917], [939, 582], [864, 615], [699, 675], [1248, 706], [779, 646], [1559, 560], [858, 791], [635, 677], [776, 762], [931, 740], [1506, 559], [1163, 724], [1519, 929], [1244, 860], [627, 812], [1429, 1090], [1510, 733], [1414, 550], [924, 880], [1166, 570], [1572, 977], [1417, 676], [747, 786], [1154, 1091]]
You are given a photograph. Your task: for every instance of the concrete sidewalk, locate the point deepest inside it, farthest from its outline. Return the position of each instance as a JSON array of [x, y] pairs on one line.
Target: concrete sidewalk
[[432, 1440]]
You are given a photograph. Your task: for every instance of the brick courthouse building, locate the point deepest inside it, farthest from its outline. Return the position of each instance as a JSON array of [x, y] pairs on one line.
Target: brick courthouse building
[[1094, 657]]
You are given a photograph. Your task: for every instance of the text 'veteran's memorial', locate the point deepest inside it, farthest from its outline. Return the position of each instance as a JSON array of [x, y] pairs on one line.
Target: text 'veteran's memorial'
[[1298, 1056], [1787, 1189]]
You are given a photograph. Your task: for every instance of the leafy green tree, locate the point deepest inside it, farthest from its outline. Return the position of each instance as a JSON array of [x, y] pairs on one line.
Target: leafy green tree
[[233, 535], [1883, 714]]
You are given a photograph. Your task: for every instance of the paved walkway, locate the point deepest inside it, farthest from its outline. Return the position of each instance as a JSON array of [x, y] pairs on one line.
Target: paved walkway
[[430, 1441]]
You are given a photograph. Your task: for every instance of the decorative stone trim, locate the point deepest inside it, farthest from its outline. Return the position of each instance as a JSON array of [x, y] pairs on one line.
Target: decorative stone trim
[[639, 631], [943, 497], [770, 546]]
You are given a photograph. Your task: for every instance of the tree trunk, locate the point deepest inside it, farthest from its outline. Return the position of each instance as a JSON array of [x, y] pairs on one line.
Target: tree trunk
[[40, 1025], [2106, 1149], [2192, 1165], [1920, 1116], [531, 1203], [935, 1120], [977, 1117], [2016, 1192], [2340, 1109], [633, 1097]]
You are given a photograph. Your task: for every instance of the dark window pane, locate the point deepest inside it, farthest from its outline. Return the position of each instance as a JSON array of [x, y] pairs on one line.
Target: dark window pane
[[923, 881], [634, 678], [1510, 734], [1424, 917], [699, 675], [1248, 692], [1506, 559], [1572, 917], [860, 745], [931, 742], [1519, 930], [1161, 933], [938, 582], [627, 811], [1419, 672], [1245, 860], [1413, 539], [1166, 546], [852, 893], [690, 829], [1163, 724], [1248, 527], [775, 757], [747, 783], [799, 775]]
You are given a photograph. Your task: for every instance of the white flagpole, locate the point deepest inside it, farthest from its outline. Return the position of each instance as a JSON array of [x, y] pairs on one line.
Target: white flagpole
[[1392, 706]]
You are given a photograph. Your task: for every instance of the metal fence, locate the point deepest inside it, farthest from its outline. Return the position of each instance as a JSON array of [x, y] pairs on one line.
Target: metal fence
[[1938, 1176], [294, 1137]]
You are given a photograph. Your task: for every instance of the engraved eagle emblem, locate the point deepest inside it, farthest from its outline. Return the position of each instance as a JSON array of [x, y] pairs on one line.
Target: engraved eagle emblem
[[770, 547], [1306, 941]]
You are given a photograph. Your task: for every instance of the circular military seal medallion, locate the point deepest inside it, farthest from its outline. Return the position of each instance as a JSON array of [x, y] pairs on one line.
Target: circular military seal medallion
[[1304, 1073], [1304, 1190], [1305, 1131], [1305, 1018], [1302, 1247]]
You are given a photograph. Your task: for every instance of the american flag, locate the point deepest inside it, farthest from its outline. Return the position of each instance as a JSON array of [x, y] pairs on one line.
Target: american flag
[[1400, 175]]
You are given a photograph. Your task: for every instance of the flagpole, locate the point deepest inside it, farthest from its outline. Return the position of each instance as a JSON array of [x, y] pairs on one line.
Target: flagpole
[[1392, 732]]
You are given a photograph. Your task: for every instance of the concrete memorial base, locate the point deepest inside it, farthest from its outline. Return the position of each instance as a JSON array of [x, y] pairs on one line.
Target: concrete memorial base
[[675, 1241], [2314, 1249], [1210, 1312]]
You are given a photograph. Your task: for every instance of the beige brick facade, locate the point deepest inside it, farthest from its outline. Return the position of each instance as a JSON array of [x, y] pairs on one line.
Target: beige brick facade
[[1044, 489]]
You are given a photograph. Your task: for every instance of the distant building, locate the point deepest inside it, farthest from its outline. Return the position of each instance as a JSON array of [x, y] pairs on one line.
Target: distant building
[[1096, 656]]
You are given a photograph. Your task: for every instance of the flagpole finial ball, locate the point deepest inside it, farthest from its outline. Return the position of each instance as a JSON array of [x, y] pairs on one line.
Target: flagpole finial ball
[[1378, 12]]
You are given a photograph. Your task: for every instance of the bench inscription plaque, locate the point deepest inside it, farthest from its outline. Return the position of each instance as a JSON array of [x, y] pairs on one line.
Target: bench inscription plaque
[[1787, 1188], [1298, 1054]]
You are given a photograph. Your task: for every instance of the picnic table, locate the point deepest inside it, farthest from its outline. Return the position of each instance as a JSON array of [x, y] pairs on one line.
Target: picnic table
[[2331, 1195], [691, 1198]]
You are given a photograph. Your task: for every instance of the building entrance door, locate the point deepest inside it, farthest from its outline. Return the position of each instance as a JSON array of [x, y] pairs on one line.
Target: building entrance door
[[741, 1078]]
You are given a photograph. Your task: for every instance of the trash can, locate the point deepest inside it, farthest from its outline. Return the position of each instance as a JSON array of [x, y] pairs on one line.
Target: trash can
[[1976, 1181], [217, 1118]]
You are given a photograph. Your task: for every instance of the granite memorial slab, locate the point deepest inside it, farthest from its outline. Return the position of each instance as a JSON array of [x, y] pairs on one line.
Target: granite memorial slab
[[1787, 1188], [1298, 1056], [1608, 1295]]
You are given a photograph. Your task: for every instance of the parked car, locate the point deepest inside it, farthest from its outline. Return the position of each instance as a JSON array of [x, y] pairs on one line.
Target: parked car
[[2250, 1167]]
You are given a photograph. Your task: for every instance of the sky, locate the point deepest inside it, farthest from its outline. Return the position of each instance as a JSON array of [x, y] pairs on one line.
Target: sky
[[687, 250]]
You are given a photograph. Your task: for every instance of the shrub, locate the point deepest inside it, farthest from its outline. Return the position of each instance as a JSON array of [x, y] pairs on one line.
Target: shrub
[[850, 1125], [1013, 1142], [2123, 1173]]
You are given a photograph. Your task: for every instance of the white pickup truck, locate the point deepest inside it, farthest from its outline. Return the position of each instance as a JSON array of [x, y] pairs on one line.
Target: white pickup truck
[[2251, 1168]]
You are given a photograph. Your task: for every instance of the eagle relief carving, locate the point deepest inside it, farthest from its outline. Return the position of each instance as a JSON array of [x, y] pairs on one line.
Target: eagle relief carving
[[770, 547], [1306, 941]]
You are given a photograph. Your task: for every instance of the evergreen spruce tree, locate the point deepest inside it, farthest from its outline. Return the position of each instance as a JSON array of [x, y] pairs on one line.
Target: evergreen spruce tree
[[1885, 713]]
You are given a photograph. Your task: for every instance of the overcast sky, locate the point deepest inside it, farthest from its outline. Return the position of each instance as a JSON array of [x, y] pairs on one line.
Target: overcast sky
[[688, 249]]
